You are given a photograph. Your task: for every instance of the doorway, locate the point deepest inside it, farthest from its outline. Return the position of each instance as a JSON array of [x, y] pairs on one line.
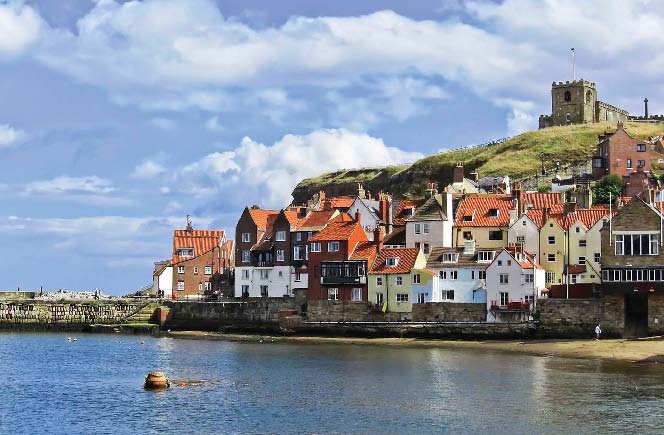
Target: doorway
[[636, 315]]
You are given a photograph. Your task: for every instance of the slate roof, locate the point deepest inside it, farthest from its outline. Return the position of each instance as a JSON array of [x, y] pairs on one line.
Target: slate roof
[[431, 210], [435, 259], [396, 237], [478, 206], [201, 241], [401, 214], [406, 263]]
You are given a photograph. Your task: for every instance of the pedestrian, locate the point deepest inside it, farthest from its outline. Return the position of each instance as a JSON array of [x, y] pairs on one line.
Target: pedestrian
[[598, 331]]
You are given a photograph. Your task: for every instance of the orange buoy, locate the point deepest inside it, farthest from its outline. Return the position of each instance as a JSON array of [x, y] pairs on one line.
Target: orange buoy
[[156, 380]]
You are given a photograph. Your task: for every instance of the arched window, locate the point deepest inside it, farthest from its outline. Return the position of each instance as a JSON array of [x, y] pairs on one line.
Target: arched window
[[589, 97], [568, 96]]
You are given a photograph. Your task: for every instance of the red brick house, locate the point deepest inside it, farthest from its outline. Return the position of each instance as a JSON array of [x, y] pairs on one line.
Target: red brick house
[[339, 258], [200, 263]]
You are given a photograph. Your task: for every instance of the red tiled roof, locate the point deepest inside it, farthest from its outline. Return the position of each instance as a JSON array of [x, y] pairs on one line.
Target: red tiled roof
[[158, 272], [339, 228], [588, 217], [201, 241], [541, 199], [265, 242], [364, 251], [478, 207], [406, 204], [406, 263], [340, 201], [260, 216], [576, 269], [292, 218], [316, 220]]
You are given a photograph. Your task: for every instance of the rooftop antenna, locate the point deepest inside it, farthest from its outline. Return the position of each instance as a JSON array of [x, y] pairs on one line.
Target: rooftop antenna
[[189, 226], [573, 64]]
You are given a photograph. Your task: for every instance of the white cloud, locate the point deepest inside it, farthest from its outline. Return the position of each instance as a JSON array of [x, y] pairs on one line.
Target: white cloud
[[148, 169], [10, 136], [89, 189], [213, 124], [274, 170], [19, 27]]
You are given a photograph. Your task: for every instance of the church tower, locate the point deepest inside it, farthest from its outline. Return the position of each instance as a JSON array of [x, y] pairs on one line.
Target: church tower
[[573, 102]]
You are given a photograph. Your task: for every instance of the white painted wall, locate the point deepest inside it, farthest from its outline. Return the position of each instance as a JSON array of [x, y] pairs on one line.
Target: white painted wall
[[278, 281], [440, 232], [164, 282], [468, 288], [526, 228]]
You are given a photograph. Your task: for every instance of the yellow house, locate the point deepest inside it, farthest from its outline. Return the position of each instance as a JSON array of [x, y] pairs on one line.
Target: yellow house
[[484, 218], [395, 275]]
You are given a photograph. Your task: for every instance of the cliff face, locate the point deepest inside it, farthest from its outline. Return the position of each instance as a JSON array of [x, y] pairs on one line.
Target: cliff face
[[519, 157]]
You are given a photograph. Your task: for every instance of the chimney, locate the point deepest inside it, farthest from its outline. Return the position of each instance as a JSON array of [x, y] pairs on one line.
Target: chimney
[[457, 175], [379, 237], [385, 210], [517, 192], [369, 195], [357, 216], [474, 176], [321, 196], [645, 101], [545, 214], [570, 207], [360, 191], [189, 227], [327, 205], [432, 189], [469, 247]]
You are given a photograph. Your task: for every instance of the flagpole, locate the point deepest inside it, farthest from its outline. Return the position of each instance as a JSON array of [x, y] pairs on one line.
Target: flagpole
[[573, 64]]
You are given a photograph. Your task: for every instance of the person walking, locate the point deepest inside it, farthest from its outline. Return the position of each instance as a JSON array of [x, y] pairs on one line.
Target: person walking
[[598, 331]]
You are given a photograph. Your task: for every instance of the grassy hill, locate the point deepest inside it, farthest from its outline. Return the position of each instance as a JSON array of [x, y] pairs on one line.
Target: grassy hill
[[518, 157]]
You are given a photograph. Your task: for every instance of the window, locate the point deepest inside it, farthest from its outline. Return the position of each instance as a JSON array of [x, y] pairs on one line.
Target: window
[[551, 240], [298, 252], [641, 163], [245, 291], [245, 256], [597, 257], [529, 278], [180, 269], [185, 252], [208, 286], [298, 277], [421, 298], [245, 274], [333, 294], [399, 280], [447, 295], [265, 274], [481, 274], [485, 256], [427, 248], [582, 260], [468, 218], [315, 247], [573, 278], [180, 286], [298, 237], [454, 274], [523, 222], [641, 147], [416, 278], [402, 297], [443, 274], [577, 229], [264, 291], [629, 163], [356, 294], [509, 262], [246, 237], [582, 243], [195, 270], [450, 257], [636, 244], [550, 277], [208, 270], [495, 235], [568, 96], [379, 281], [472, 274], [493, 212], [425, 228], [504, 298], [333, 247], [504, 278], [280, 236], [521, 239], [551, 258], [281, 254], [418, 228], [391, 261]]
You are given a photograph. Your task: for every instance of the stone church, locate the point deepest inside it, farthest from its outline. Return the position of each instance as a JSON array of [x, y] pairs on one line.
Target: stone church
[[576, 102]]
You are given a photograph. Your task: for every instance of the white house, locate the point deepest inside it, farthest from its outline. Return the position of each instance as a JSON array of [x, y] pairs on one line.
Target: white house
[[461, 273], [514, 282], [162, 279], [431, 225]]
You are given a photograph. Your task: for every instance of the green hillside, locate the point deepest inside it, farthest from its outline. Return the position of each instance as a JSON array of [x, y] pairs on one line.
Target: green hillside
[[518, 157]]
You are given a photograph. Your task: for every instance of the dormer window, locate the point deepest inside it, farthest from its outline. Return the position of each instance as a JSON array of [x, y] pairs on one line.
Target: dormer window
[[185, 252], [485, 256], [450, 257], [493, 212], [391, 261], [468, 218]]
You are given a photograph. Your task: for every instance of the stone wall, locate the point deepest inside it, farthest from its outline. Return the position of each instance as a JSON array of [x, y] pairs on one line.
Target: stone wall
[[568, 317], [477, 331], [75, 315], [249, 314], [349, 311]]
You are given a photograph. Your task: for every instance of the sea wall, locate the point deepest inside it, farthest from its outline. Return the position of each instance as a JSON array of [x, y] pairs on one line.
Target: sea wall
[[62, 315], [349, 311], [569, 317]]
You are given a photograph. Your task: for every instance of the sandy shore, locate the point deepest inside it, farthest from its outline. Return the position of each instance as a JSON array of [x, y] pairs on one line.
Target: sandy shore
[[644, 350]]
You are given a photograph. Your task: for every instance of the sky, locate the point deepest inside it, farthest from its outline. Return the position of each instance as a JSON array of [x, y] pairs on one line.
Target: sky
[[117, 119]]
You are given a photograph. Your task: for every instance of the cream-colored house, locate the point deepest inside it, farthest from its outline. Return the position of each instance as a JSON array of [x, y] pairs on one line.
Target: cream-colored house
[[395, 275]]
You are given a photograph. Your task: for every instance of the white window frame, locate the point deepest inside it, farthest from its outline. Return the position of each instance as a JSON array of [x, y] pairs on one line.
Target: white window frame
[[402, 297], [379, 281], [529, 278], [180, 270], [180, 286], [425, 228], [315, 247], [246, 256], [246, 237], [195, 270], [281, 255], [333, 294], [207, 270], [418, 229], [280, 236], [551, 240], [399, 280], [504, 278], [417, 279], [245, 273], [332, 246], [356, 294]]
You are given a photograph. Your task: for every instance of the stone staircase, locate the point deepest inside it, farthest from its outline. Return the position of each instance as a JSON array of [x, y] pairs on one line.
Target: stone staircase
[[143, 314]]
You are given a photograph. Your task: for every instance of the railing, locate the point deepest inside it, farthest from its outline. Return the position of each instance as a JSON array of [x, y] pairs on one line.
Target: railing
[[512, 306], [330, 280]]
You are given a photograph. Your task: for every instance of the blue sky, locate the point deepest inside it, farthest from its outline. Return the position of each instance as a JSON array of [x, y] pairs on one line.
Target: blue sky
[[119, 118]]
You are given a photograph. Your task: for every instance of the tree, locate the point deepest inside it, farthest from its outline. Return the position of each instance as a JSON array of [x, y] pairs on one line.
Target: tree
[[609, 186]]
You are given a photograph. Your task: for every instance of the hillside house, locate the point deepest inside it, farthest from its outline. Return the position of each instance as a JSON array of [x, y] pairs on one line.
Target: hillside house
[[197, 262], [431, 225]]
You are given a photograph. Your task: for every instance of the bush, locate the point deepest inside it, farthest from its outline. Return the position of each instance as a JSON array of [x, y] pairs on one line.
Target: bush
[[609, 186]]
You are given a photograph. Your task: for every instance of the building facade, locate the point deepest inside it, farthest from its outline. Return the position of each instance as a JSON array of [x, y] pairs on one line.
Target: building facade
[[396, 276]]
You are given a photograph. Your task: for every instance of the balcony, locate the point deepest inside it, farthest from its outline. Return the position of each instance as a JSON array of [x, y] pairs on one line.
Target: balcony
[[332, 280], [346, 272], [510, 307], [264, 264]]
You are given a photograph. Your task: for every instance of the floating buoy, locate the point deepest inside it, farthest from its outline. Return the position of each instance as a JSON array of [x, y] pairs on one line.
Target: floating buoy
[[142, 342], [68, 338], [156, 381], [75, 339]]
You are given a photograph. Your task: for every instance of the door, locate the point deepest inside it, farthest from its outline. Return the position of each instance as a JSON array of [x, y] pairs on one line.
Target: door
[[379, 299], [636, 315], [420, 298]]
